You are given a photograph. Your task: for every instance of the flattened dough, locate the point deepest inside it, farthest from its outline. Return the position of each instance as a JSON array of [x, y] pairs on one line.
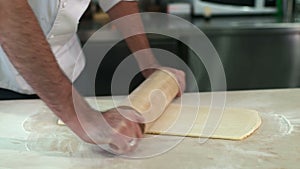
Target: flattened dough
[[234, 124]]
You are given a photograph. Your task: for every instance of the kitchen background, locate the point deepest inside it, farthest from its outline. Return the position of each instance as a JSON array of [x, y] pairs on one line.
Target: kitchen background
[[258, 42]]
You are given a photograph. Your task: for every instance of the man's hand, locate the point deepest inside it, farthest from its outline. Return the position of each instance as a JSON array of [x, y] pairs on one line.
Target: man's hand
[[111, 127]]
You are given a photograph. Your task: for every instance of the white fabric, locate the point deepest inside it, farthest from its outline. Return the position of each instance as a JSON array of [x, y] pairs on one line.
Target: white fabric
[[58, 20], [107, 4]]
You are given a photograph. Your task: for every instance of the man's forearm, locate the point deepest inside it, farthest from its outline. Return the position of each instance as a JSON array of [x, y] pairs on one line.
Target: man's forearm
[[131, 26], [24, 42]]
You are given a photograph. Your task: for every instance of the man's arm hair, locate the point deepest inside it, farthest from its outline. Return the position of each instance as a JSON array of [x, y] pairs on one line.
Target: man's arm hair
[[131, 26], [23, 41]]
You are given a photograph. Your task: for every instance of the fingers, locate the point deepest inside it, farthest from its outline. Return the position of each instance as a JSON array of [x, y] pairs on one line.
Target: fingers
[[125, 140], [126, 133]]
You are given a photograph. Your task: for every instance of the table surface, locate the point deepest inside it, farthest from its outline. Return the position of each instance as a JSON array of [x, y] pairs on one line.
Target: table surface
[[30, 138]]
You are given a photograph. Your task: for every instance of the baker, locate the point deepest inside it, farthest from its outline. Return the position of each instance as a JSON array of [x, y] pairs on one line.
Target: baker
[[39, 48]]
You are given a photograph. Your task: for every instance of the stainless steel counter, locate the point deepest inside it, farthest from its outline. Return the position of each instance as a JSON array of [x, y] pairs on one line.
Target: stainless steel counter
[[215, 25], [257, 52]]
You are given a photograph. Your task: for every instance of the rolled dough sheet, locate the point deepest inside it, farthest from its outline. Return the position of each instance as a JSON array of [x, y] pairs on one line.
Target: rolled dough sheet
[[192, 121], [232, 123]]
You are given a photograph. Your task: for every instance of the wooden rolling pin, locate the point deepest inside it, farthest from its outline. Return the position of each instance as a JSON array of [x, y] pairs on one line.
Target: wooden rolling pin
[[153, 96]]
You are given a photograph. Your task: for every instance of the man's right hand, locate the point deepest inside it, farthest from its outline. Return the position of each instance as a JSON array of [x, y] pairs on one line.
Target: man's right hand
[[111, 127]]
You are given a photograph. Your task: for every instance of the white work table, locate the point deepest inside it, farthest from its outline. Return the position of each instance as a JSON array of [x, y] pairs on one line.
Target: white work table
[[30, 138]]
